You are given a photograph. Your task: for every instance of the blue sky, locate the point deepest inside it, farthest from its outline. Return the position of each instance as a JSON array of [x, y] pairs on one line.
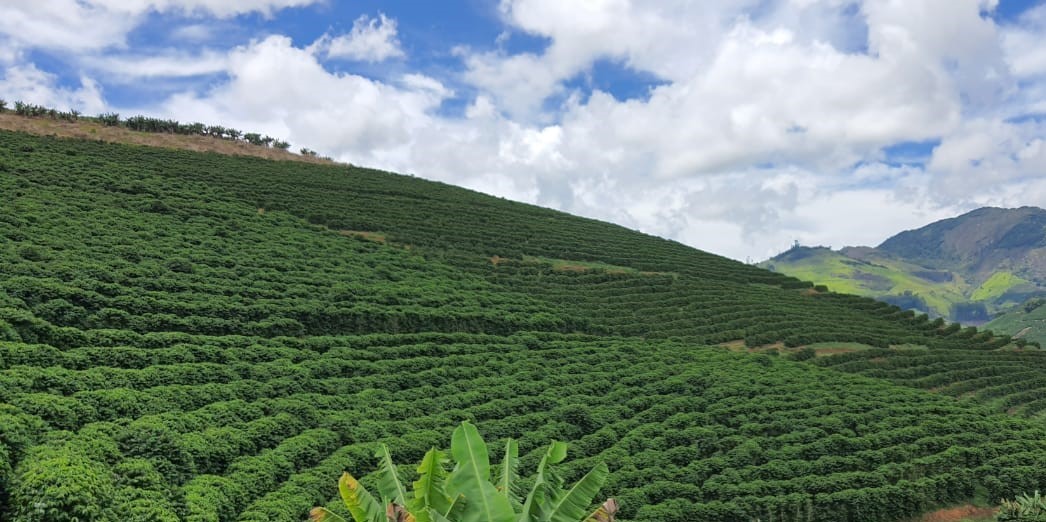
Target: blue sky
[[734, 126]]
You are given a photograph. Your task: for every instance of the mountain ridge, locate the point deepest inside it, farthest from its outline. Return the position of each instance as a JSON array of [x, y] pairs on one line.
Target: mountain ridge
[[970, 268]]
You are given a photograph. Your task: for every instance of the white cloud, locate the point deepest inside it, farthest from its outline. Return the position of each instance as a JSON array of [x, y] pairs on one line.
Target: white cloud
[[283, 90], [985, 156], [950, 33], [670, 39], [194, 33], [1023, 44], [371, 40], [129, 68], [84, 25], [65, 24], [29, 84]]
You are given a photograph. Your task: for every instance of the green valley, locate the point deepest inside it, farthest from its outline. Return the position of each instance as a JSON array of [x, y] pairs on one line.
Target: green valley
[[971, 268]]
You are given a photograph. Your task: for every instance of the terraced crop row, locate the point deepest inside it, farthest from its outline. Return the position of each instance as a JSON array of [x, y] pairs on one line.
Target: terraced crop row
[[726, 435], [1009, 381], [712, 312]]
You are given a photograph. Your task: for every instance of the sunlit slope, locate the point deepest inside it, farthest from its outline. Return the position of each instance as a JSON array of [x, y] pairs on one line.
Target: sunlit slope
[[888, 279], [969, 268], [1027, 321], [201, 337]]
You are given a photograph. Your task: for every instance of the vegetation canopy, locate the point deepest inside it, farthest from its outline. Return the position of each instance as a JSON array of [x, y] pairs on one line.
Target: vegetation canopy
[[196, 337]]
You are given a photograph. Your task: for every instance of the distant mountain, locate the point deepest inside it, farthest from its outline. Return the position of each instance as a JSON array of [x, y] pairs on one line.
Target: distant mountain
[[979, 243], [969, 268]]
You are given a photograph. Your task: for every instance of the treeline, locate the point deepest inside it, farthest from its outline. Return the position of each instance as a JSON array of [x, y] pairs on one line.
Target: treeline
[[142, 123]]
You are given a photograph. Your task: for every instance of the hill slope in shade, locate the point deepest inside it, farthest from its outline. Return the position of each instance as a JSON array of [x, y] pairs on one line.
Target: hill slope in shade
[[968, 268], [980, 243], [203, 337]]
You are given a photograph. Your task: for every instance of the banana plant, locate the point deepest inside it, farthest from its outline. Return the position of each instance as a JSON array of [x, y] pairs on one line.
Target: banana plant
[[473, 491], [1030, 508]]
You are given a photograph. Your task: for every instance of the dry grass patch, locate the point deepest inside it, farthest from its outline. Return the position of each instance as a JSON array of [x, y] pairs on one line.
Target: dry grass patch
[[376, 237], [90, 130], [734, 346]]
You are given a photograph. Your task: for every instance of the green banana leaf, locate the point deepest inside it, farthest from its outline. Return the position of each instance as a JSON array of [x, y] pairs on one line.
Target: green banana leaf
[[546, 486], [389, 485], [508, 473], [572, 505], [430, 489], [471, 479]]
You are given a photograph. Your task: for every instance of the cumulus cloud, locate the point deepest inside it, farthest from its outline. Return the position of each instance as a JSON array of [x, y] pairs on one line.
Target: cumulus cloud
[[281, 89], [670, 39], [984, 156], [84, 25], [371, 40], [1023, 44], [29, 84]]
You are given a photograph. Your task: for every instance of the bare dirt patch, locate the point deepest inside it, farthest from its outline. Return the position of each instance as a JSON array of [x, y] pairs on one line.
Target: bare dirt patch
[[90, 130], [965, 513]]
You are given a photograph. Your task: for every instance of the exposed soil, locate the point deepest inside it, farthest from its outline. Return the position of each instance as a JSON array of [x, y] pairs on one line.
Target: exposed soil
[[965, 513]]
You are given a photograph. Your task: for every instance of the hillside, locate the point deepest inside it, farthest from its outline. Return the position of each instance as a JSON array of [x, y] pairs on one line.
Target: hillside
[[979, 242], [969, 268], [1027, 321], [892, 280], [195, 336]]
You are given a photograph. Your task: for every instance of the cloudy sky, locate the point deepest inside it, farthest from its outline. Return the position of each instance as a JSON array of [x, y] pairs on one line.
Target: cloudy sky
[[735, 126]]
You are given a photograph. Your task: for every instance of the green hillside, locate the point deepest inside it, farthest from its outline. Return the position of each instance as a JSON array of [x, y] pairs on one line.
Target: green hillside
[[892, 280], [188, 336], [970, 268], [1026, 322]]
